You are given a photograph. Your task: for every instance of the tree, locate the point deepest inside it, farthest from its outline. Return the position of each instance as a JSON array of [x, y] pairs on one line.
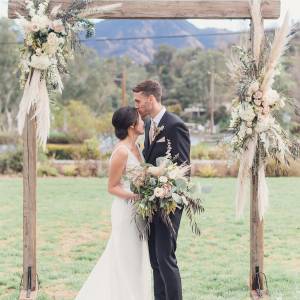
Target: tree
[[9, 85]]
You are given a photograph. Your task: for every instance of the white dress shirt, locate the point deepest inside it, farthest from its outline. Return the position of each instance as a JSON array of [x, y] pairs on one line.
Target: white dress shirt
[[158, 117]]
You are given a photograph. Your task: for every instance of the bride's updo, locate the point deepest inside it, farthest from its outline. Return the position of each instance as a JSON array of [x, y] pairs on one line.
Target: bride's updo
[[122, 119]]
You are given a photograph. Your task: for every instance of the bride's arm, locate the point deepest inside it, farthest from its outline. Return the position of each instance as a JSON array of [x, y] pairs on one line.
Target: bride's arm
[[115, 173]]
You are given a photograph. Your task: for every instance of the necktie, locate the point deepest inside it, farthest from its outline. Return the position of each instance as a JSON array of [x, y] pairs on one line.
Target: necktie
[[152, 131]]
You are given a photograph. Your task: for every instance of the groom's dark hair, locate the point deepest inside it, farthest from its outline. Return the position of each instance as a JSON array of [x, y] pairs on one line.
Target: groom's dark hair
[[149, 87]]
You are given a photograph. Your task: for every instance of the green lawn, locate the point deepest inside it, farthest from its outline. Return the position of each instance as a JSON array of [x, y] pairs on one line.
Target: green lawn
[[74, 224]]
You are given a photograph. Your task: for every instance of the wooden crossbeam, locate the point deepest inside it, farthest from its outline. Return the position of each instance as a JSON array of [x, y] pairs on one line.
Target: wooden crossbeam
[[167, 9]]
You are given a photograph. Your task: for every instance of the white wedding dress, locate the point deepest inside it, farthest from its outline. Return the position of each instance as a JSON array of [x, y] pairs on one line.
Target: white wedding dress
[[123, 272]]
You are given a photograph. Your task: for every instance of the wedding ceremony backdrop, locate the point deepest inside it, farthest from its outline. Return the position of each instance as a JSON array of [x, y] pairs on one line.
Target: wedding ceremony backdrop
[[34, 119]]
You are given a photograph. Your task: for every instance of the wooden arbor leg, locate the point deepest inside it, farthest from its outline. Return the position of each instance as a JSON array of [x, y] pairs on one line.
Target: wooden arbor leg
[[29, 209], [256, 239], [256, 242], [256, 227]]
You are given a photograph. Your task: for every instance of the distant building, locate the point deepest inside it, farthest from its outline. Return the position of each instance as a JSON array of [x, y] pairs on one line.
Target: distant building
[[195, 111]]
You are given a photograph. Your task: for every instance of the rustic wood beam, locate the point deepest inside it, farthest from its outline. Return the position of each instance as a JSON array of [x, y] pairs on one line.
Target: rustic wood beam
[[167, 9], [29, 202]]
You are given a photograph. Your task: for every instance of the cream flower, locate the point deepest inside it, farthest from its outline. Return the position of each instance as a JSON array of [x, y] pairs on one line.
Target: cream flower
[[38, 51], [258, 95], [264, 123], [163, 179], [249, 131], [257, 102], [254, 87], [58, 26], [167, 189], [39, 22], [246, 112], [159, 192], [272, 97], [155, 171]]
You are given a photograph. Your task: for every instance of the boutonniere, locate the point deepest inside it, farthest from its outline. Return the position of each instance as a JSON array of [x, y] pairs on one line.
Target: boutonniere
[[157, 131]]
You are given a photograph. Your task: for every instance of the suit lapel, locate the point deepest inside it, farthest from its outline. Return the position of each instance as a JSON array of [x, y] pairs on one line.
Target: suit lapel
[[146, 142], [151, 146]]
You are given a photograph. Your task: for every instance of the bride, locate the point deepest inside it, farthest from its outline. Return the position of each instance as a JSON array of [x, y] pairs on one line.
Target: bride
[[123, 272]]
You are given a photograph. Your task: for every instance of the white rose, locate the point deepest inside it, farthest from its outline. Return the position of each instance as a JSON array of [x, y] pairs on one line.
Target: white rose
[[257, 102], [246, 112], [159, 192], [264, 123], [163, 179], [35, 27], [258, 95], [272, 97], [254, 87], [41, 21], [155, 171], [52, 39], [38, 51], [41, 62], [249, 131], [58, 26]]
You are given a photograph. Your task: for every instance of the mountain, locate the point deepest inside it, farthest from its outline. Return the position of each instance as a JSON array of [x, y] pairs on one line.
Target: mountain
[[142, 50]]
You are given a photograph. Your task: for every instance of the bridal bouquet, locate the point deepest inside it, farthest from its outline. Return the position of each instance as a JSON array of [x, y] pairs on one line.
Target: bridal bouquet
[[50, 37], [162, 189]]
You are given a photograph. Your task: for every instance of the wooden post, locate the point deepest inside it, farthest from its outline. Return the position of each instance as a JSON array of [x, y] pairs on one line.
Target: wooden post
[[256, 225], [29, 205]]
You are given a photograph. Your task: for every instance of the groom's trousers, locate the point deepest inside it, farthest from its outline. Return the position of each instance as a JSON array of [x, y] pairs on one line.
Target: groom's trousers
[[162, 247]]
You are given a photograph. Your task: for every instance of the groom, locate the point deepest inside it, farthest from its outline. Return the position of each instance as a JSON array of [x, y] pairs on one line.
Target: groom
[[161, 127]]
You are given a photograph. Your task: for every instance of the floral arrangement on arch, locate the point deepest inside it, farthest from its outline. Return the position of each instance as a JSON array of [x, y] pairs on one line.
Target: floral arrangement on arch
[[257, 135], [51, 37]]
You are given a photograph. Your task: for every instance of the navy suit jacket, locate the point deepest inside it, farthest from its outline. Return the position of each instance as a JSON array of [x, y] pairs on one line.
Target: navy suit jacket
[[176, 132]]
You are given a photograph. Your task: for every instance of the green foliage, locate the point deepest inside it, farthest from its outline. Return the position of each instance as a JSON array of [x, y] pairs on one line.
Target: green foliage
[[214, 152], [8, 138], [59, 137], [70, 170], [11, 162], [45, 169], [9, 85], [90, 149], [69, 152], [207, 171], [76, 120]]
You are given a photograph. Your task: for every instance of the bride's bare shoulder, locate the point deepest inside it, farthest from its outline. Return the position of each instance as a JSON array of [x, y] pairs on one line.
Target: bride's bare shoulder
[[120, 152]]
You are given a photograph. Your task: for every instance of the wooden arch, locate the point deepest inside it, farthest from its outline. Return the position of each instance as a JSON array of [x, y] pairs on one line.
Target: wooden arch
[[136, 9]]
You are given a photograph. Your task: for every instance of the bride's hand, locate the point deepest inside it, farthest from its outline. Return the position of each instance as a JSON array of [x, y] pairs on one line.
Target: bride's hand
[[135, 197]]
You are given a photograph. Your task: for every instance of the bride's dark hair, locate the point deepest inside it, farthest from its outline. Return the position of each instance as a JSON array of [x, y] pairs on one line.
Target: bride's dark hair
[[122, 119]]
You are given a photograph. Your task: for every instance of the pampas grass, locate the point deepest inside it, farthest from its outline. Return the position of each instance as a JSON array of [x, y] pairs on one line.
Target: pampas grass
[[279, 46], [255, 9]]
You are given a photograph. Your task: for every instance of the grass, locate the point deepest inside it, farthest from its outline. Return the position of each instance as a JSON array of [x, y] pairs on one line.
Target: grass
[[73, 225]]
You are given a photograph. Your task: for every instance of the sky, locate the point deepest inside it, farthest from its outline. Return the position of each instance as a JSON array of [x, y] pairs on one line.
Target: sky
[[293, 6]]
